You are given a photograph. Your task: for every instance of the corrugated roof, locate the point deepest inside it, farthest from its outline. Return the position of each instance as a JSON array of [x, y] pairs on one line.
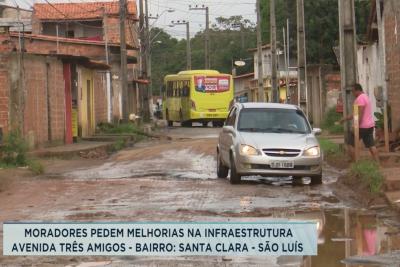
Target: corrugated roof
[[77, 11]]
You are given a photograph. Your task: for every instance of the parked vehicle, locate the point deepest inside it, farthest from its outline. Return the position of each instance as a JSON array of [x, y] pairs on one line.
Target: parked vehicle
[[268, 139], [197, 96]]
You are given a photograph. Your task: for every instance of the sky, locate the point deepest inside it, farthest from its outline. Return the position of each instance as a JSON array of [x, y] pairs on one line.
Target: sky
[[225, 8], [218, 8]]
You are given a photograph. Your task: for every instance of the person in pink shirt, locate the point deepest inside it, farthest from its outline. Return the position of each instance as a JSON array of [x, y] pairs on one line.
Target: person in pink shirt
[[366, 120]]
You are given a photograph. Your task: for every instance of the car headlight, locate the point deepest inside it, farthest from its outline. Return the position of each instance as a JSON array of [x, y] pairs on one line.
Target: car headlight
[[247, 150], [312, 152]]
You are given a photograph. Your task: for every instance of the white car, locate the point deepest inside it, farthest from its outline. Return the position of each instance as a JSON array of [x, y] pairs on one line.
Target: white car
[[268, 139]]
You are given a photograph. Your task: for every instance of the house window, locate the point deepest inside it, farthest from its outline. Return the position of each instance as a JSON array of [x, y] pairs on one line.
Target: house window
[[70, 34]]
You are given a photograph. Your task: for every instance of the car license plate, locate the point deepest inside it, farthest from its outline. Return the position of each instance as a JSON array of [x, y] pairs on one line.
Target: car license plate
[[212, 115], [282, 165], [212, 110]]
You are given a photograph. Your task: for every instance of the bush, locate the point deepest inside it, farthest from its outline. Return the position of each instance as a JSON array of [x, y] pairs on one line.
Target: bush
[[14, 150], [36, 167], [124, 128], [119, 144], [329, 120], [368, 171]]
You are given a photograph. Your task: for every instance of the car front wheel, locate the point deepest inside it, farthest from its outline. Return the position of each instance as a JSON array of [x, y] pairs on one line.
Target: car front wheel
[[222, 171], [234, 176], [317, 179]]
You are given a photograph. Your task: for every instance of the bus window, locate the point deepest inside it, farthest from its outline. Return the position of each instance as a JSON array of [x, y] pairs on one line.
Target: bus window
[[186, 88], [169, 89]]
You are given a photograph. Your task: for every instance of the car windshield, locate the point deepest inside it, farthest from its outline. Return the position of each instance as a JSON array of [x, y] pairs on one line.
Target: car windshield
[[273, 120]]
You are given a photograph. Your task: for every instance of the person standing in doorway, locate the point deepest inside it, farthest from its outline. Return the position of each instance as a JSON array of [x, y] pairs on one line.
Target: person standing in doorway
[[367, 123]]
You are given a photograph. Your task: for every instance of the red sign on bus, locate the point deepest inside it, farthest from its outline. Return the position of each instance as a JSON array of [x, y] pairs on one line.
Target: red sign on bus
[[212, 84]]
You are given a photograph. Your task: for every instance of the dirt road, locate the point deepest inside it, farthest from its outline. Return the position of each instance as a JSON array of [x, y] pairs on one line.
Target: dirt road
[[175, 180]]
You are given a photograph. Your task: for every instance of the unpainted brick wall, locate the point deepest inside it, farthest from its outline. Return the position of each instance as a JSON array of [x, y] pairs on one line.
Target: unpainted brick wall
[[43, 79], [5, 48], [112, 27], [4, 92], [392, 38], [74, 49]]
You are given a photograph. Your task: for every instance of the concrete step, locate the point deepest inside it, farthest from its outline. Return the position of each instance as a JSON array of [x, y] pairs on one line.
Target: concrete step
[[109, 137], [392, 179], [392, 183], [394, 198], [81, 149]]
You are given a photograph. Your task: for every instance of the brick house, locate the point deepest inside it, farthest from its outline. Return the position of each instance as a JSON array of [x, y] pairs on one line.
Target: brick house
[[391, 16], [96, 22], [50, 97], [61, 80], [370, 55]]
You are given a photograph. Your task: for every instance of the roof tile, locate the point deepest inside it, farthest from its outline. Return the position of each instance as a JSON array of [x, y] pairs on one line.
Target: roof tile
[[76, 11]]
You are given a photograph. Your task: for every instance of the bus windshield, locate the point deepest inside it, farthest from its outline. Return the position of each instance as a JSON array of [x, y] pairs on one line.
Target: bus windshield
[[212, 84]]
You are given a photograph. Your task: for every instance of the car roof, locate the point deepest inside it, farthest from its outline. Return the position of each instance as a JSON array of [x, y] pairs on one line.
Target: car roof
[[267, 105]]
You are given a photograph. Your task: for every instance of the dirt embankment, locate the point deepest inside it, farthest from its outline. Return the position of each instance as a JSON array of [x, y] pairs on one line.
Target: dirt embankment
[[355, 186]]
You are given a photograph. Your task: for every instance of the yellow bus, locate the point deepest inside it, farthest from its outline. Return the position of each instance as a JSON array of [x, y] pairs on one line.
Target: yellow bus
[[197, 96]]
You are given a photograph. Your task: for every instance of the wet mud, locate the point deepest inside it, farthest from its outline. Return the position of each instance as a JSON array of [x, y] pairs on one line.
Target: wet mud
[[175, 180]]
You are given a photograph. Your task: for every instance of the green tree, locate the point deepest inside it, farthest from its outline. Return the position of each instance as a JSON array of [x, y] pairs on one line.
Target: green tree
[[321, 25]]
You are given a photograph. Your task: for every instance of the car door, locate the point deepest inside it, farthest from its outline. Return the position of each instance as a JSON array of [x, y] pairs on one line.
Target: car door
[[227, 137]]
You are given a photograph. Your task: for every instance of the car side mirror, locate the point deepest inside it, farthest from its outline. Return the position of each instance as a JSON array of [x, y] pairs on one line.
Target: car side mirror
[[317, 131], [228, 129]]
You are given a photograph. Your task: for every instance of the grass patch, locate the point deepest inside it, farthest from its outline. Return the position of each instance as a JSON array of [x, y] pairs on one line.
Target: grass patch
[[328, 124], [329, 147], [13, 154], [35, 166], [119, 144], [123, 128], [13, 150], [368, 172]]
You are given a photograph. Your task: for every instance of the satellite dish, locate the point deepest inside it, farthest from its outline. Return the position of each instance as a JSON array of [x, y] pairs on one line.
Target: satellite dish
[[240, 63]]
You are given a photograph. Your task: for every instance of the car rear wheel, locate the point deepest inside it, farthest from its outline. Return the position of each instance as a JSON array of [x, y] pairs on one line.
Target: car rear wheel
[[234, 176], [217, 123], [186, 124], [222, 171], [170, 123], [317, 179]]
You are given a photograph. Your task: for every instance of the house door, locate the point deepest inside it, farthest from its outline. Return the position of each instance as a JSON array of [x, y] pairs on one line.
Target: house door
[[87, 104]]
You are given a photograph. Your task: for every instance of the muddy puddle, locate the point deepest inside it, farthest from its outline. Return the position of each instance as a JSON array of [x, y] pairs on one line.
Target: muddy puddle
[[342, 234], [183, 164], [173, 163]]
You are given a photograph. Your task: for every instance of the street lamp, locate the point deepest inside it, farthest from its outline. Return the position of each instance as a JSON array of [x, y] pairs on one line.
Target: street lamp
[[239, 63], [169, 10], [188, 53]]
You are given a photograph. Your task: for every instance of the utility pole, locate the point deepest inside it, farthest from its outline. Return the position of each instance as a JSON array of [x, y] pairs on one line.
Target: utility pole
[[188, 49], [206, 35], [348, 58], [288, 93], [260, 74], [108, 73], [124, 74], [274, 76], [301, 58], [148, 99], [286, 64], [143, 64]]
